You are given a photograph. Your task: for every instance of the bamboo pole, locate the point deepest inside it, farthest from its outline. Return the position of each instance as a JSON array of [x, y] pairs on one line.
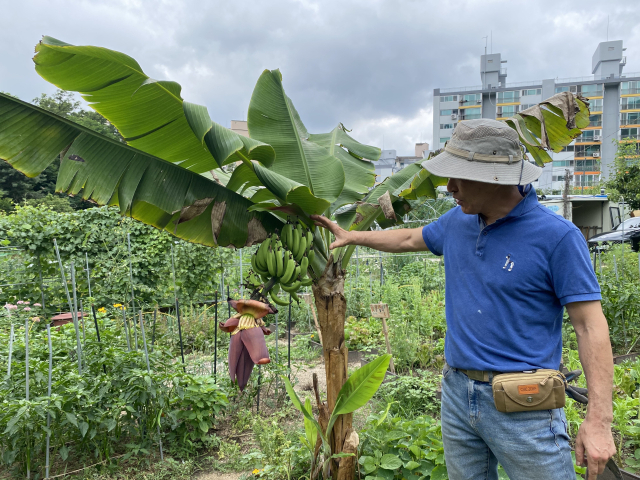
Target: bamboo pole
[[93, 307], [44, 307]]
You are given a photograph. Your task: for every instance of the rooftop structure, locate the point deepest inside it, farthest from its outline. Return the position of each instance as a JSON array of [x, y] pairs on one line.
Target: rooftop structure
[[614, 99]]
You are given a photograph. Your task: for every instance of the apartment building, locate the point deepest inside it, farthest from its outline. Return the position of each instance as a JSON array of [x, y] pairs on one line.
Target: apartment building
[[614, 99]]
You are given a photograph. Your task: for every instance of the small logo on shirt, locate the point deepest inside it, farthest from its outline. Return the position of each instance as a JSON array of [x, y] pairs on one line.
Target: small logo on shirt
[[508, 265]]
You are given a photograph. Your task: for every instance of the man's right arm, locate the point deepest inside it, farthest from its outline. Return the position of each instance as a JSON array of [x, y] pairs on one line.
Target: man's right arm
[[392, 241]]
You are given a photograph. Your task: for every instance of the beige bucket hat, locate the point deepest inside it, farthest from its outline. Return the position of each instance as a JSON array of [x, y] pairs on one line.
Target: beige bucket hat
[[486, 151]]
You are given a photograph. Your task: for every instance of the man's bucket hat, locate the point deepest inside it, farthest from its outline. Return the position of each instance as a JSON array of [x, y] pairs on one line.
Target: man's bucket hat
[[486, 151]]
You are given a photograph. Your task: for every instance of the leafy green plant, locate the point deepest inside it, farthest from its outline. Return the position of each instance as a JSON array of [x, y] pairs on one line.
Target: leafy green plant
[[396, 448], [411, 396]]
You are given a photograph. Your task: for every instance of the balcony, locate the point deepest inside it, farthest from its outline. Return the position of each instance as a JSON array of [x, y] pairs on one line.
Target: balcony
[[630, 91], [595, 123], [593, 93], [468, 103], [588, 139], [473, 116]]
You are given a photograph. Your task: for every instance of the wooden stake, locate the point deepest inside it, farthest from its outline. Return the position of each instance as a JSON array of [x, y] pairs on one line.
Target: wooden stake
[[381, 311]]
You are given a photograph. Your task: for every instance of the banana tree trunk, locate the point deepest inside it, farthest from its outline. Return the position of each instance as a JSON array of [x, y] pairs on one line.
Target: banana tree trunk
[[331, 304]]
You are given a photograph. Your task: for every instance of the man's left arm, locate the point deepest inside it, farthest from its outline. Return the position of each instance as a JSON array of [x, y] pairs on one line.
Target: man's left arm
[[594, 442]]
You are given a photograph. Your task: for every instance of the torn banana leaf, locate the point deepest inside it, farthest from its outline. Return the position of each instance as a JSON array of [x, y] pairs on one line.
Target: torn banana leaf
[[550, 125], [145, 187]]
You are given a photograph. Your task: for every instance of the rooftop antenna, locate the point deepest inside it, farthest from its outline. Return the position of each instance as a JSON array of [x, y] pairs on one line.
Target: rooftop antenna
[[485, 44], [491, 41]]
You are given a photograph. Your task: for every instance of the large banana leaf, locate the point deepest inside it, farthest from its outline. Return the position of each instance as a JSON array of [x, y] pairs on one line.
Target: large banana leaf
[[147, 112], [361, 386], [145, 187], [273, 119], [359, 174]]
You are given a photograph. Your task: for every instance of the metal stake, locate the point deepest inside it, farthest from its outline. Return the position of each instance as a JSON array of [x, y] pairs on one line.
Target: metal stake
[[215, 343], [133, 298], [10, 352], [44, 308], [153, 332], [26, 361], [228, 304], [289, 338], [146, 356], [84, 335], [175, 296], [49, 402], [241, 286], [126, 328], [74, 315]]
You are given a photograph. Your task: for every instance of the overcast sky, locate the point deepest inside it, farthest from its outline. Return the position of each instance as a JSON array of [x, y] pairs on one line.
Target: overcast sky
[[370, 64]]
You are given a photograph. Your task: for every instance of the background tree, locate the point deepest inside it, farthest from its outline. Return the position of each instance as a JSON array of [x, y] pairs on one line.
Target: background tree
[[626, 179], [16, 187], [169, 173]]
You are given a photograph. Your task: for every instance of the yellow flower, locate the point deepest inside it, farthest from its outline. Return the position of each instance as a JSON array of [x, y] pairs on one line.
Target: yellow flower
[[117, 305], [102, 310], [256, 471]]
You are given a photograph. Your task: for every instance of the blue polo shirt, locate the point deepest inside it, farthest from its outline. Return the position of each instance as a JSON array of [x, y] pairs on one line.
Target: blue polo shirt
[[507, 284]]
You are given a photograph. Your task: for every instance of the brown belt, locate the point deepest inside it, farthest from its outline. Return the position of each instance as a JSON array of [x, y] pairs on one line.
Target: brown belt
[[480, 375]]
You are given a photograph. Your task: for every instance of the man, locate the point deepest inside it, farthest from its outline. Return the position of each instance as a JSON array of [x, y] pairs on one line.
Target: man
[[511, 266]]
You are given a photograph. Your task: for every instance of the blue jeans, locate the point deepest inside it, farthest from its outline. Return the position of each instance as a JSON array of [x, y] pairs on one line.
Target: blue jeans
[[528, 445]]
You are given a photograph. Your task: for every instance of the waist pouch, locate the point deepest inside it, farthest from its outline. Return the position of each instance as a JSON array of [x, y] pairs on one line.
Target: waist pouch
[[523, 392]]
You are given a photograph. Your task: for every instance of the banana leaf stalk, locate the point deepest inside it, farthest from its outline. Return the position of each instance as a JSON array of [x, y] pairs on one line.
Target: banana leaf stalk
[[247, 346]]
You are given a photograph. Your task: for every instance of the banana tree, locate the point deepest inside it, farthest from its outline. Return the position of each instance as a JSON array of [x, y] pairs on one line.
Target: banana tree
[[169, 172]]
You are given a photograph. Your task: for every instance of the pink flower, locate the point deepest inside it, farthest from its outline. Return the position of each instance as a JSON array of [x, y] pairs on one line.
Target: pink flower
[[36, 319], [27, 303], [8, 306], [19, 302], [37, 305], [27, 309]]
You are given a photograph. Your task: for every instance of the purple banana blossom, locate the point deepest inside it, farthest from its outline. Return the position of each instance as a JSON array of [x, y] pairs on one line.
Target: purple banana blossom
[[247, 347]]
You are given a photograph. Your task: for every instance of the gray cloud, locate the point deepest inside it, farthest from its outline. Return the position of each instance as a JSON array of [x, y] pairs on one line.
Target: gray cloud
[[372, 64]]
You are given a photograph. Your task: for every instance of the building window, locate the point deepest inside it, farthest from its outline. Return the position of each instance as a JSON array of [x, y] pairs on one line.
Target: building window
[[559, 178], [524, 106], [630, 88], [567, 88], [444, 113], [472, 98], [586, 165], [630, 103], [595, 120], [629, 133], [595, 105], [593, 90], [590, 136], [507, 111], [444, 139], [531, 91], [587, 151], [631, 118], [568, 148], [447, 126], [471, 113], [449, 98], [563, 163], [508, 97]]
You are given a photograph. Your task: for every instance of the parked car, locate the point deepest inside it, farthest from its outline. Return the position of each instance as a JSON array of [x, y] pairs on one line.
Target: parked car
[[627, 231]]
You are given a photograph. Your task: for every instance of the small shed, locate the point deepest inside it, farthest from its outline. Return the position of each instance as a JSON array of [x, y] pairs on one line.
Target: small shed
[[64, 318], [592, 214]]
